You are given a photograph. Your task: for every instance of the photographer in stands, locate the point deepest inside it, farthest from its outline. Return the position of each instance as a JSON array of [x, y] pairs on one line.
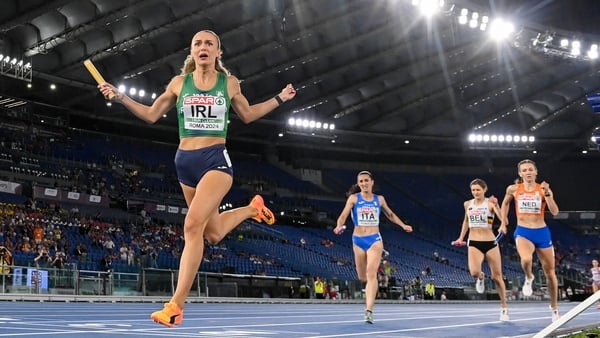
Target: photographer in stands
[[59, 260], [43, 260]]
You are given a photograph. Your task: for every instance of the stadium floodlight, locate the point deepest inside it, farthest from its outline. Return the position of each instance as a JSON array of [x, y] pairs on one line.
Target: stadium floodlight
[[16, 68], [309, 128], [576, 48], [429, 8], [543, 39], [566, 47], [500, 29], [500, 140], [593, 52], [134, 91], [537, 40], [484, 23]]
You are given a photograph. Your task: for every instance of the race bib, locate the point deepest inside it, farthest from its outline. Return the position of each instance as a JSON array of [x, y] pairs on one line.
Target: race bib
[[529, 204], [367, 216], [202, 112]]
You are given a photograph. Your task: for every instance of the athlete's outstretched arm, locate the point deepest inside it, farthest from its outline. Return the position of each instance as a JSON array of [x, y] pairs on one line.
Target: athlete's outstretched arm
[[350, 202], [150, 114], [249, 113]]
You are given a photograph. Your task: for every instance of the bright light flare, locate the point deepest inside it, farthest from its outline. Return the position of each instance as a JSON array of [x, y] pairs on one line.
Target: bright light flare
[[428, 8], [500, 29]]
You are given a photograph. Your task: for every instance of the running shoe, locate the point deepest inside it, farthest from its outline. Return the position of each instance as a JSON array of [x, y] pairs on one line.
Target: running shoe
[[369, 317], [480, 284], [169, 316], [528, 287], [264, 214], [555, 314], [504, 315]]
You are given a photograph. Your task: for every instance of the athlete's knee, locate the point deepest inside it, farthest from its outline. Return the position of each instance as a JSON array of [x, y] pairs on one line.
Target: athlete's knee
[[193, 226], [526, 260], [191, 229], [371, 276], [550, 272], [497, 278]]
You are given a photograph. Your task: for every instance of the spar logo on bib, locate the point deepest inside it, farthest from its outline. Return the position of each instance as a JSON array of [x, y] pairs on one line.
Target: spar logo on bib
[[204, 112]]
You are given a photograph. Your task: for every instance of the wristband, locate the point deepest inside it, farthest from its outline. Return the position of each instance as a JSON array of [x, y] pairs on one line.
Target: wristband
[[279, 100]]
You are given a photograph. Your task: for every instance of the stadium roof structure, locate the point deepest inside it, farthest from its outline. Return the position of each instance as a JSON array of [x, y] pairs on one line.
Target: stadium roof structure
[[396, 84]]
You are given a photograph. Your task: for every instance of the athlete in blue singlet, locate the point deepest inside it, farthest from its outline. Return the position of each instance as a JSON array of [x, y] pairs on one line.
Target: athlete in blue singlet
[[364, 207]]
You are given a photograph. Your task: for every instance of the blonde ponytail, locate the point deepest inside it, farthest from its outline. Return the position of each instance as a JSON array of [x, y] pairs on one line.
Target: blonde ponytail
[[188, 65]]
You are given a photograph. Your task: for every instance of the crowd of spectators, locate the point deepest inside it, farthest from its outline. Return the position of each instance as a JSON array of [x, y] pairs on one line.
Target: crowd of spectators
[[41, 233], [45, 235]]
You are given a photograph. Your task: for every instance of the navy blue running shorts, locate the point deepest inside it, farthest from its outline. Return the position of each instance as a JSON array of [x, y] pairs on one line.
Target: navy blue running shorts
[[191, 165]]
